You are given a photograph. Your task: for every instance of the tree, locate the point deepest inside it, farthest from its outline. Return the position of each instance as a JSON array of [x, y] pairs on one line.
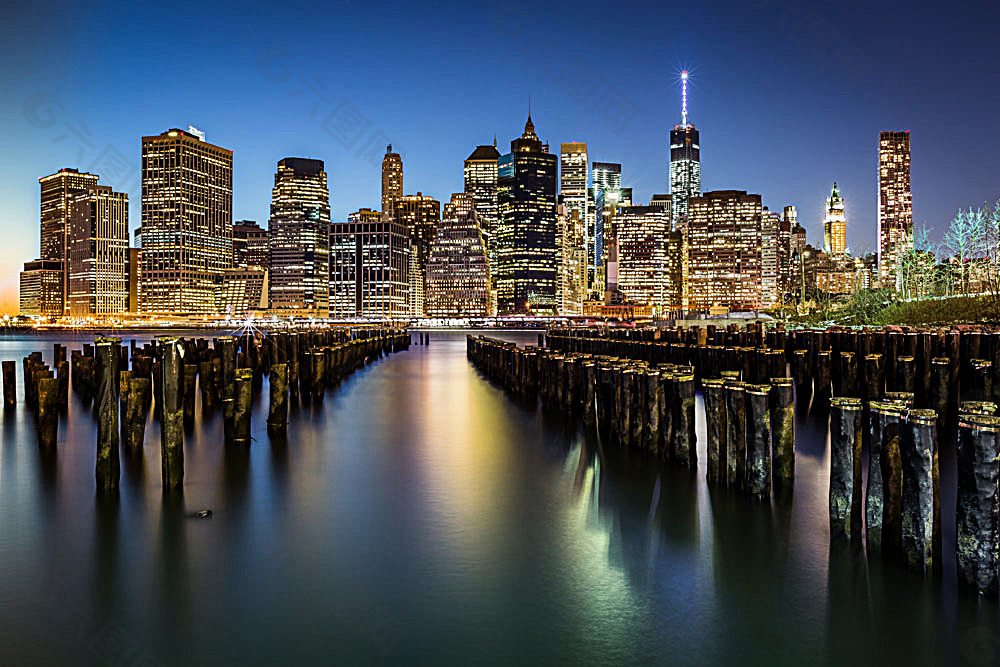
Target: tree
[[960, 240]]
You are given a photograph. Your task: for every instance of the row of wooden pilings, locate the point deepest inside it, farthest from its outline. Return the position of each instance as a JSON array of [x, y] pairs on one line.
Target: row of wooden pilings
[[651, 406], [899, 507], [166, 375]]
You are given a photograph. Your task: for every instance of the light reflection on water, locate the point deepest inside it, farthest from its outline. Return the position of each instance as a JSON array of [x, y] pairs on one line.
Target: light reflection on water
[[421, 514]]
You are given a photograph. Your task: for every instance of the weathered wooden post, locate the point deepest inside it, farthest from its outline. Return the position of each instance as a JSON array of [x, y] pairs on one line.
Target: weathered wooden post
[[107, 469], [135, 412], [9, 383], [758, 444], [783, 433], [823, 378], [206, 384], [62, 374], [243, 406], [172, 414], [651, 419], [980, 388], [921, 509], [712, 390], [318, 375], [977, 506], [48, 412], [124, 377], [277, 415], [190, 388], [686, 451], [977, 407], [873, 378], [848, 374], [735, 434], [882, 502], [846, 502], [904, 374]]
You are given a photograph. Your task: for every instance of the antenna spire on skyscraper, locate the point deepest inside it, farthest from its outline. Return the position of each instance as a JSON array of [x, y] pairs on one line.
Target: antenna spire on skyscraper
[[684, 98]]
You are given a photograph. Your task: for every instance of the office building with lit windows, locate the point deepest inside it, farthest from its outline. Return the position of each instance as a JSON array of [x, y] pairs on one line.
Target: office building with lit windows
[[649, 257], [724, 240], [420, 216], [250, 245], [527, 253], [573, 182], [98, 253], [56, 191], [41, 288], [298, 239], [458, 273], [895, 204], [770, 262], [480, 175], [187, 220], [392, 179], [369, 267], [835, 225]]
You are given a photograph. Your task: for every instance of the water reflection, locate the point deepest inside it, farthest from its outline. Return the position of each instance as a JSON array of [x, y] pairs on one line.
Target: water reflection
[[420, 515]]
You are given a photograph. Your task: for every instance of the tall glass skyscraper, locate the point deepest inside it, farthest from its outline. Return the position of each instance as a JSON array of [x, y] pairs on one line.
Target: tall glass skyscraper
[[685, 162], [392, 180], [480, 172], [527, 255], [895, 204], [299, 238], [187, 222]]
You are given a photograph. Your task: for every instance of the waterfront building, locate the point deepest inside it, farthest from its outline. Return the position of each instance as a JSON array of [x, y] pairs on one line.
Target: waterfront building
[[298, 239], [895, 205], [250, 245], [369, 267], [770, 264], [572, 287], [480, 175], [649, 257], [458, 274], [724, 230], [41, 288], [835, 224], [242, 290], [573, 178], [98, 252], [187, 220], [56, 191], [419, 215], [527, 253], [685, 161], [392, 179]]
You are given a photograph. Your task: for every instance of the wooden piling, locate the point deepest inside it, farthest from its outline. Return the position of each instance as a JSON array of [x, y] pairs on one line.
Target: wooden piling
[[846, 502], [172, 413], [242, 407], [977, 505], [758, 441], [921, 504], [107, 470], [277, 415]]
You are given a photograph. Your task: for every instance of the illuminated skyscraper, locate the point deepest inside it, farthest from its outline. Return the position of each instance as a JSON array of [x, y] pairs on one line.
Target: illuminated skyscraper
[[573, 186], [895, 204], [480, 173], [187, 222], [770, 262], [56, 190], [835, 224], [527, 254], [298, 239], [250, 245], [41, 288], [572, 285], [606, 196], [97, 266], [649, 257], [369, 267], [724, 229], [392, 179], [685, 161], [458, 280], [420, 215]]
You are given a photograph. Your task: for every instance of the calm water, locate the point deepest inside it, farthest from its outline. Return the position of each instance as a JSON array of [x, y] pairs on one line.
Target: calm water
[[420, 515]]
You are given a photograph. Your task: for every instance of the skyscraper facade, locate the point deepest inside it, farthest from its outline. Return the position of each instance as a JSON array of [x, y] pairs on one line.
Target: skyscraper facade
[[835, 224], [392, 179], [527, 255], [724, 230], [97, 265], [685, 161], [480, 172], [187, 220], [649, 257], [895, 204], [572, 285], [573, 175], [56, 191], [369, 267], [250, 245], [770, 262], [458, 279], [420, 215], [298, 239], [41, 288], [606, 194]]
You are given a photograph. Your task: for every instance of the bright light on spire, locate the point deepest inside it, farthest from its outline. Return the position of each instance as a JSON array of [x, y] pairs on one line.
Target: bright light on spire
[[684, 98]]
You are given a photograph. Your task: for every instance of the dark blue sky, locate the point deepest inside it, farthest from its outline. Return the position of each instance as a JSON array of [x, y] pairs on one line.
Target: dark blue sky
[[788, 96]]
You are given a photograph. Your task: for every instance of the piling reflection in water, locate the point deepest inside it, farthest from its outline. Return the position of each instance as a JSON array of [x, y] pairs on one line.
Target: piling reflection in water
[[421, 513]]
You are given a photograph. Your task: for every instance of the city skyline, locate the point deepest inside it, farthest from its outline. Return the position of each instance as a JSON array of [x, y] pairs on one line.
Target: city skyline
[[762, 130]]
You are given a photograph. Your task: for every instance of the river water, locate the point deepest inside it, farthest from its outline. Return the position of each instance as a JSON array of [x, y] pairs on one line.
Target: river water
[[419, 515]]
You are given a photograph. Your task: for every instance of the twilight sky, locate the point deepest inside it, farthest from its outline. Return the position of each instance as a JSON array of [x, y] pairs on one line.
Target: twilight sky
[[789, 96]]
